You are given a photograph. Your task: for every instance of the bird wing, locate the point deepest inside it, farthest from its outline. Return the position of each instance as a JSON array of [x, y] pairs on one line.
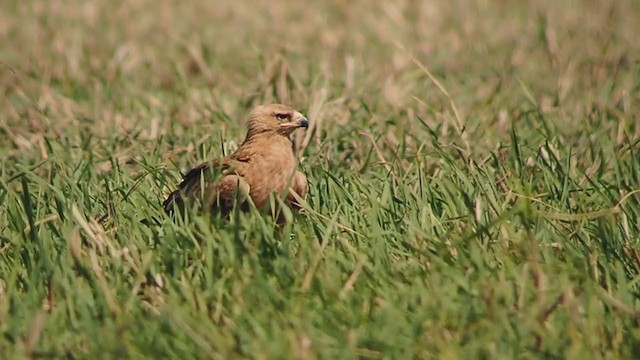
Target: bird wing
[[220, 180], [299, 186], [222, 194]]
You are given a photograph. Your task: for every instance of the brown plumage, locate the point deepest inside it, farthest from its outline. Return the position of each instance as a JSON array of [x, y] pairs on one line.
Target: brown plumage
[[263, 165]]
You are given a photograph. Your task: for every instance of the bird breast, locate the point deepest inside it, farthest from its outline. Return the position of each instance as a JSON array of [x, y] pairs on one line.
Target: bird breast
[[270, 171]]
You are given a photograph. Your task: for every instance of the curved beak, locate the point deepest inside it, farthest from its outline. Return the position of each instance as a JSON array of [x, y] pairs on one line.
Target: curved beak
[[301, 120]]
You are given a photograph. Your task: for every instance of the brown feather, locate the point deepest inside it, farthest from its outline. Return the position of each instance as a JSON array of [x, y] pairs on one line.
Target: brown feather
[[263, 165]]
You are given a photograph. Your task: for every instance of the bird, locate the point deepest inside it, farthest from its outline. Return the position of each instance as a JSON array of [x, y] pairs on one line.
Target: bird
[[262, 166]]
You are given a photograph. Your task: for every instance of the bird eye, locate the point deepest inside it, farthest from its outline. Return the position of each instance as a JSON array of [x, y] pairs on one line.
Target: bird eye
[[282, 116]]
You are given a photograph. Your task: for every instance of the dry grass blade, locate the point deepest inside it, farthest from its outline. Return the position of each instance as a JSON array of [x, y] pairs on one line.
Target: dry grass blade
[[459, 122]]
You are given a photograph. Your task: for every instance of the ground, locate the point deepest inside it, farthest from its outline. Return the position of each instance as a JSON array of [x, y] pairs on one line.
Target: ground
[[473, 165]]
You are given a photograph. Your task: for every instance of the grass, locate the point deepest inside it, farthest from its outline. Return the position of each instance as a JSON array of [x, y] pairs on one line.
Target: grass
[[473, 166]]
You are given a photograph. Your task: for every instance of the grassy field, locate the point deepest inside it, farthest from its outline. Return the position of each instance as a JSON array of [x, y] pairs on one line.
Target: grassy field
[[474, 169]]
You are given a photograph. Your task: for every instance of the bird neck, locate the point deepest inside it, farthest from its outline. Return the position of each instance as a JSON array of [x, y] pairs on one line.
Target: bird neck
[[265, 140]]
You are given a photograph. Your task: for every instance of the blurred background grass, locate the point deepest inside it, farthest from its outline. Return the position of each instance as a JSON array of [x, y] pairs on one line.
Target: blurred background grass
[[472, 163]]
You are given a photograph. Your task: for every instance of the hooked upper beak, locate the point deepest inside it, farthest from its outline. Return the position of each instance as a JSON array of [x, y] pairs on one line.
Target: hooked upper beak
[[301, 120]]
